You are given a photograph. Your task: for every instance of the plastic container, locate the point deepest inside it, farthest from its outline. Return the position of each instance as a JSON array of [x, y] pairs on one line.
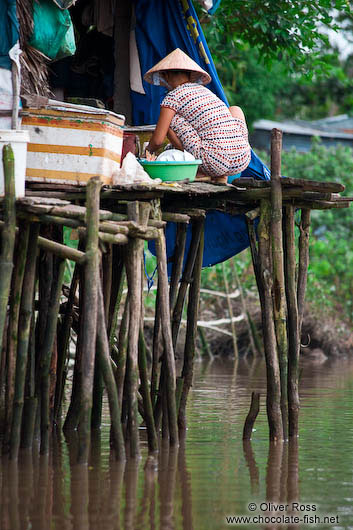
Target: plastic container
[[18, 140], [71, 144], [172, 170]]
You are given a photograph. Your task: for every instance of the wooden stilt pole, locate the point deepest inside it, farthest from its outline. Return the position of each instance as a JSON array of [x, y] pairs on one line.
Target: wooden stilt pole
[[146, 396], [230, 311], [89, 316], [30, 405], [108, 377], [279, 298], [178, 261], [293, 324], [46, 353], [8, 235], [63, 344], [273, 400], [185, 280], [12, 332], [122, 352], [119, 277], [72, 416], [169, 360], [252, 415], [303, 262], [156, 349], [191, 329], [133, 271], [23, 339]]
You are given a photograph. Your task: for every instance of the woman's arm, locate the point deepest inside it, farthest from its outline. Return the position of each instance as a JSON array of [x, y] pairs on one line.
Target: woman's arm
[[165, 117]]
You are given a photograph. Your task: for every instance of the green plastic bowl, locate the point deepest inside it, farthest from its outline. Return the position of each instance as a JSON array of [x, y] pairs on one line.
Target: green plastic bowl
[[172, 170]]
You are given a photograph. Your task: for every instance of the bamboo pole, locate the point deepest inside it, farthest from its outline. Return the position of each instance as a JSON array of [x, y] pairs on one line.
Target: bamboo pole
[[169, 360], [120, 279], [185, 280], [133, 271], [72, 416], [156, 350], [230, 311], [46, 354], [178, 260], [12, 331], [63, 344], [191, 328], [108, 377], [273, 400], [122, 352], [89, 316], [146, 396], [303, 262], [293, 323], [23, 339], [278, 290], [8, 235], [30, 405], [252, 415]]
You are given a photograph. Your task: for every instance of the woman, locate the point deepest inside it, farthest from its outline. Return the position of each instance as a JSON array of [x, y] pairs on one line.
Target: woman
[[195, 120]]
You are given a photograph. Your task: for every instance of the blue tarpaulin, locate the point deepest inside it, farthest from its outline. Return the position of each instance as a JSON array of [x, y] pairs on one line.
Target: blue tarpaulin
[[9, 31], [160, 28]]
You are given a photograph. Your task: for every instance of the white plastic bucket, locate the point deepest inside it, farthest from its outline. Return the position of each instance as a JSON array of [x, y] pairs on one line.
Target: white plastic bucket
[[18, 140]]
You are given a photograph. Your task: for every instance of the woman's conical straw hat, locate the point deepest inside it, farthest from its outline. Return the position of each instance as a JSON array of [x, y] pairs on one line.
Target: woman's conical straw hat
[[177, 60]]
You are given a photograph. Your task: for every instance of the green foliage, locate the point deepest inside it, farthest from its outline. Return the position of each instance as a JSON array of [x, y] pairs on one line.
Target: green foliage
[[275, 61], [283, 30]]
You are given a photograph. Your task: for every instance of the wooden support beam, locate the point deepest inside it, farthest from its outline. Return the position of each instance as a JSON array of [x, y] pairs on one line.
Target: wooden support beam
[[89, 316], [293, 322], [23, 339], [161, 254], [7, 237], [191, 327], [273, 400], [279, 297]]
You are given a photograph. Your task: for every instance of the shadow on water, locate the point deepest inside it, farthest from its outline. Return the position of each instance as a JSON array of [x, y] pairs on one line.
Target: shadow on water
[[212, 473]]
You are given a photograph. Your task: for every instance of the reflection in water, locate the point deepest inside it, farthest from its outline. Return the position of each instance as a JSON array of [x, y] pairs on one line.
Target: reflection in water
[[212, 474], [282, 477]]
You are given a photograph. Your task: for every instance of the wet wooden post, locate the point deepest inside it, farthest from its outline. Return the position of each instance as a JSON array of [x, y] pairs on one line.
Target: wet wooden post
[[46, 353], [12, 331], [273, 400], [185, 280], [89, 316], [279, 297], [133, 270], [303, 262], [170, 385], [293, 322], [103, 356], [252, 415], [191, 327], [23, 339], [8, 235]]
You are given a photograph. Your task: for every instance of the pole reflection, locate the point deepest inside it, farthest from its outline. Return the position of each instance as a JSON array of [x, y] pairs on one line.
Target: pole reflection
[[282, 479]]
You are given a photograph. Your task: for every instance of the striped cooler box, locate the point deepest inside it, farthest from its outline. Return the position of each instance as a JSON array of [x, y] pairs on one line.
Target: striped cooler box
[[69, 145]]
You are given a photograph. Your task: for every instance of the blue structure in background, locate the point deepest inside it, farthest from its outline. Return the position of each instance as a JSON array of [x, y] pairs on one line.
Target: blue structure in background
[[9, 31], [160, 28]]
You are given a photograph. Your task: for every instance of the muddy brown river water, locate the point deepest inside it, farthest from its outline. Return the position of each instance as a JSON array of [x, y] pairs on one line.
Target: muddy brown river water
[[212, 478]]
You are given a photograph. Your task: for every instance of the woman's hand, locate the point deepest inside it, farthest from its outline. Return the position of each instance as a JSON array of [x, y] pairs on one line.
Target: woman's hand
[[150, 156]]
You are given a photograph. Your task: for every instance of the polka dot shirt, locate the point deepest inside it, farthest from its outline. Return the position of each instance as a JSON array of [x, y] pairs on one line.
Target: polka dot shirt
[[206, 129]]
